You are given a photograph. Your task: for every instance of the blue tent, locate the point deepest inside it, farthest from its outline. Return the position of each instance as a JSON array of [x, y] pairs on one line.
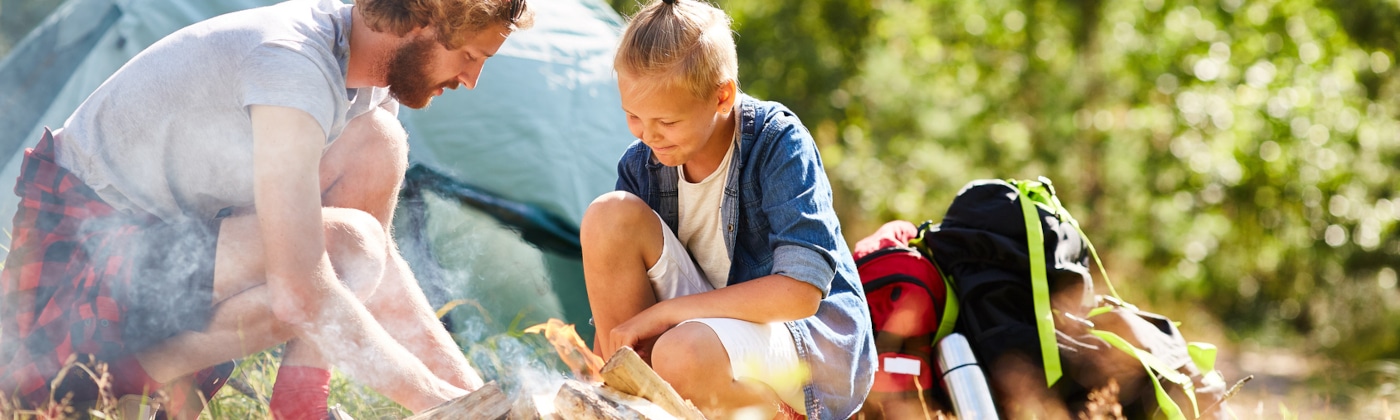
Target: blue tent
[[501, 174]]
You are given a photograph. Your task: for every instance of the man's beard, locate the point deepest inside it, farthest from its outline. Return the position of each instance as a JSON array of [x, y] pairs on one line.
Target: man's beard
[[407, 74]]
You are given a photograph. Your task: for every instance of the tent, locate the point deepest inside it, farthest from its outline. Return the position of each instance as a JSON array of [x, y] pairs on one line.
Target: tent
[[500, 175]]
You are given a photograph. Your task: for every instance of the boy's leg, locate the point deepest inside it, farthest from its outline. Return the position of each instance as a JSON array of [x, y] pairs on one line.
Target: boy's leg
[[621, 238], [693, 359], [630, 260]]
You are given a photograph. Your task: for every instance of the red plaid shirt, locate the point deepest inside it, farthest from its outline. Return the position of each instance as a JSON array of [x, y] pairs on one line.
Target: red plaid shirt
[[55, 296]]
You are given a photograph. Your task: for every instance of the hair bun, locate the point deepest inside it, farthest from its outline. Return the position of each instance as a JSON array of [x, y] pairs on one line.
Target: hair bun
[[670, 2]]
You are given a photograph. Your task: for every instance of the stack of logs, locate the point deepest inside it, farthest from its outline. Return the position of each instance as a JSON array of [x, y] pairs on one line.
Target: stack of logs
[[630, 390]]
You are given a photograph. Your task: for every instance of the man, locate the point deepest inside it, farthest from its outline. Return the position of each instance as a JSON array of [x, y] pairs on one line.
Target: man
[[230, 189]]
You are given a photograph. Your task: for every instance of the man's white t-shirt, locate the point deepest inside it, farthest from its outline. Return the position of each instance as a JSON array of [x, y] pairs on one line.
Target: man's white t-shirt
[[169, 133]]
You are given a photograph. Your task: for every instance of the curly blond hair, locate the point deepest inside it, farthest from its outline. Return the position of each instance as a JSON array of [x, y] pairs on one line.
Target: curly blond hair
[[453, 20], [687, 43]]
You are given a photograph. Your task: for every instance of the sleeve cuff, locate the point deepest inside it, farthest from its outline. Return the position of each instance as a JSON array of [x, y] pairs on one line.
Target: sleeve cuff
[[804, 265]]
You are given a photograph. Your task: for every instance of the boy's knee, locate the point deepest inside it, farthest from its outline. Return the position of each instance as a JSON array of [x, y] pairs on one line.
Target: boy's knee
[[613, 211], [358, 249], [690, 356]]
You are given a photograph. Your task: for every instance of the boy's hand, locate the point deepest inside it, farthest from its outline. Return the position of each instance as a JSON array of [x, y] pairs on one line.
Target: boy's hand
[[638, 332]]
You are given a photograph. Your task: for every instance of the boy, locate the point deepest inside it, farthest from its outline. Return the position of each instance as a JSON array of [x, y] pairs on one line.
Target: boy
[[720, 256]]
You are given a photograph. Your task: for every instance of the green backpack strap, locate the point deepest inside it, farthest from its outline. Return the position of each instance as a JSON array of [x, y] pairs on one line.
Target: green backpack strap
[[1042, 193], [1156, 368], [1040, 287], [949, 319]]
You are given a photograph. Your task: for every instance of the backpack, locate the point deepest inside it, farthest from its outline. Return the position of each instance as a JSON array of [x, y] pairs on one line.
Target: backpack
[[909, 310], [1018, 265]]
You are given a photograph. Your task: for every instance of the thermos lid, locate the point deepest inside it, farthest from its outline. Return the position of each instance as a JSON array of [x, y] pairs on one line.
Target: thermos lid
[[953, 352]]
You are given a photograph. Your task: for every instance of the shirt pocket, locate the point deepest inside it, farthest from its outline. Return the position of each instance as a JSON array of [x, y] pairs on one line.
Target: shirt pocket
[[753, 248]]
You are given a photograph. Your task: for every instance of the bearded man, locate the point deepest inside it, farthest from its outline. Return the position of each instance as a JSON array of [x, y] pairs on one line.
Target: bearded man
[[230, 189]]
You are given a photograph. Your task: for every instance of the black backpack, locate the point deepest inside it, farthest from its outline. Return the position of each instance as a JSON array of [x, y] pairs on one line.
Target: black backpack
[[1019, 267]]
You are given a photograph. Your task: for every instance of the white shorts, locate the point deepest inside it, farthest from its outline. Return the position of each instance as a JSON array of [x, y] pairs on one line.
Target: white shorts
[[762, 352]]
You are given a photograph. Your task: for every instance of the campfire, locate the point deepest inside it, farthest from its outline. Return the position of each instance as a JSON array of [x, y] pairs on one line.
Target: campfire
[[623, 388]]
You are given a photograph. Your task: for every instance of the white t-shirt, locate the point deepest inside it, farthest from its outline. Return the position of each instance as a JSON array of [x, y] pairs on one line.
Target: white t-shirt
[[169, 133], [701, 229]]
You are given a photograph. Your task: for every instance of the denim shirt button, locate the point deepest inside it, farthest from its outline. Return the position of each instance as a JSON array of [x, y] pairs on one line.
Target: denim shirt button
[[731, 227]]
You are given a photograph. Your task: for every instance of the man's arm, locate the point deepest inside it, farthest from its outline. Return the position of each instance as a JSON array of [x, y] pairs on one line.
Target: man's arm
[[287, 146]]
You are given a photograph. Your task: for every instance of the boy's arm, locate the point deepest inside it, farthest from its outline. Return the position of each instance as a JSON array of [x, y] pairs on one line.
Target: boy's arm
[[287, 145], [806, 235], [771, 298]]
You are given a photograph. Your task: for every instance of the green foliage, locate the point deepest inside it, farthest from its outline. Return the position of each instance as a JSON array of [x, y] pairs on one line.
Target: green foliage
[[1238, 155]]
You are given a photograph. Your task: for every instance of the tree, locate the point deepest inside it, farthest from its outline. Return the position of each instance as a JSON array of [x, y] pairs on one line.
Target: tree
[[1239, 155]]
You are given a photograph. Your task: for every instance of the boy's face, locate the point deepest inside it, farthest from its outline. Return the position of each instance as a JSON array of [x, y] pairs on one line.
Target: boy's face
[[676, 125], [423, 68]]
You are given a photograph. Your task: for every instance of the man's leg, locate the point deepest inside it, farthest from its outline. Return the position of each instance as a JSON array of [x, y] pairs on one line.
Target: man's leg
[[243, 322], [362, 170], [351, 180], [615, 260]]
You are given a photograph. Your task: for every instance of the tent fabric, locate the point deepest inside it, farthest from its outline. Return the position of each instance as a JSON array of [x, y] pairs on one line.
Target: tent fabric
[[545, 123]]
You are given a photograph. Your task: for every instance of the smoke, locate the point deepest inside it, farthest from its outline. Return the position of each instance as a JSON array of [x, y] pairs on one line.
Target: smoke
[[495, 284], [501, 280], [170, 268]]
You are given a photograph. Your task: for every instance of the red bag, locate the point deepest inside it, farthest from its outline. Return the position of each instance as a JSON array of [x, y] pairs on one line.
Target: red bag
[[906, 295]]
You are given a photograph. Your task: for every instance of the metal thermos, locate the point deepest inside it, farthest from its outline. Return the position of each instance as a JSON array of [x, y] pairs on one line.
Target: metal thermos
[[963, 379]]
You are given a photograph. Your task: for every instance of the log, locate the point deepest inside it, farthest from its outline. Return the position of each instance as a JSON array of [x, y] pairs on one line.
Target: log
[[487, 403], [134, 407], [627, 373], [529, 407], [337, 413], [576, 401]]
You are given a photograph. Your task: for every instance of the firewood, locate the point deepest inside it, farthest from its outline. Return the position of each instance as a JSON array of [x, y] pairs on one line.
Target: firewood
[[577, 401], [487, 403], [530, 407], [627, 373], [134, 407]]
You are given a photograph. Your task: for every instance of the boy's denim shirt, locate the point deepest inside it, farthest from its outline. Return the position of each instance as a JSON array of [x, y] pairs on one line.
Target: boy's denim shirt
[[779, 219]]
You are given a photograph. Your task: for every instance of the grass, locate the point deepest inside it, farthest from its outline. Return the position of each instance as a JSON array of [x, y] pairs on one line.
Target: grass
[[513, 358], [518, 361]]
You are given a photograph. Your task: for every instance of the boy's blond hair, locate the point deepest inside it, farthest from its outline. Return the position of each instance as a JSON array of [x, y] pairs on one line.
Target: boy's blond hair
[[686, 43], [454, 21]]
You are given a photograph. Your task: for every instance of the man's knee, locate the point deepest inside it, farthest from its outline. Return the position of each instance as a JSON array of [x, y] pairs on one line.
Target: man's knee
[[358, 249], [379, 129], [368, 160], [690, 356]]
